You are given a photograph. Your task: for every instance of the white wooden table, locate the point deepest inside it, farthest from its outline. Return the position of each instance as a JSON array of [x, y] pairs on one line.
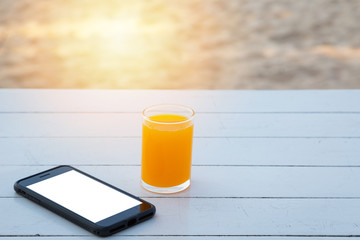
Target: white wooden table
[[266, 164]]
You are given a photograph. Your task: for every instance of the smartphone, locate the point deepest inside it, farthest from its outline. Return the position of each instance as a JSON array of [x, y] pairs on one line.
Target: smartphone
[[85, 200]]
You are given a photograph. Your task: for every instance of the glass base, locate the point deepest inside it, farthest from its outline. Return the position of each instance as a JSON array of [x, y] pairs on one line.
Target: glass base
[[166, 190]]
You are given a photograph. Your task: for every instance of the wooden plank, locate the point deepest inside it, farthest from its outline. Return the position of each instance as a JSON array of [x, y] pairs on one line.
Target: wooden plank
[[192, 217], [224, 182], [206, 125], [167, 237], [206, 151], [30, 100]]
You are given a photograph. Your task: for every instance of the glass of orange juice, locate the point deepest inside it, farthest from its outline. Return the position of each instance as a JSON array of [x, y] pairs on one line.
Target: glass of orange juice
[[166, 148]]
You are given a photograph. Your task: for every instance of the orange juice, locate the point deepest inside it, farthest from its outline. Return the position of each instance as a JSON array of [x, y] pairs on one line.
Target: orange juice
[[166, 150]]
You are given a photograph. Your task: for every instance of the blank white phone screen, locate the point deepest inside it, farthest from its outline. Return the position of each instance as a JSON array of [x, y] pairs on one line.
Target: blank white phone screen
[[84, 196]]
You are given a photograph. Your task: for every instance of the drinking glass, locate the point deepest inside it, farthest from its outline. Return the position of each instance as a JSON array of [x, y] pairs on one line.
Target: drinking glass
[[166, 148]]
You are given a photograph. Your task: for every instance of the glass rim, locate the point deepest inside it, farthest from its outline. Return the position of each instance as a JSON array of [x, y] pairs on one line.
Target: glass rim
[[146, 118]]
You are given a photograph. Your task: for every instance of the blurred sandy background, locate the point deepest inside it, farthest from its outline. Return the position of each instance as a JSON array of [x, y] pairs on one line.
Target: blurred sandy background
[[180, 44]]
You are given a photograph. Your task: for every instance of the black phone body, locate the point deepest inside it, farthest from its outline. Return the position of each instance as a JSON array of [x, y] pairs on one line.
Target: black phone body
[[85, 200]]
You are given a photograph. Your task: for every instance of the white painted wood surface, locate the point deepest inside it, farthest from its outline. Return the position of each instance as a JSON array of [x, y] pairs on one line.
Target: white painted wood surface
[[266, 164]]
